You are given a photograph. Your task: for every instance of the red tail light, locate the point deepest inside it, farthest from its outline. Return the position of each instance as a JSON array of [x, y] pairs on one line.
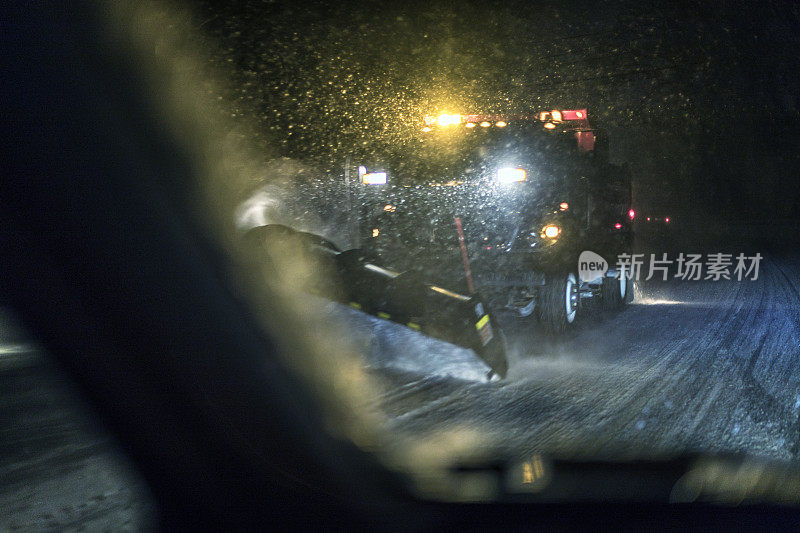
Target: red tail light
[[618, 225], [631, 214], [573, 114]]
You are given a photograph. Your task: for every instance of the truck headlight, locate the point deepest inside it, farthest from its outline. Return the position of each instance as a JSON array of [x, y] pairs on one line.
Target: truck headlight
[[448, 120], [550, 231], [373, 178], [511, 175]]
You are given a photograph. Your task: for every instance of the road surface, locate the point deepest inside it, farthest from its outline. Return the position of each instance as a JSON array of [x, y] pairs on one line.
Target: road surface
[[59, 469], [691, 366]]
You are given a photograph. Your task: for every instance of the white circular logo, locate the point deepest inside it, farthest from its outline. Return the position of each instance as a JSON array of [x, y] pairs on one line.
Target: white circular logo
[[591, 266]]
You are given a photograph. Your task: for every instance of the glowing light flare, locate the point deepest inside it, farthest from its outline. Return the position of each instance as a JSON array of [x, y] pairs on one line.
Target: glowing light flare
[[375, 232], [470, 124], [549, 125], [445, 120], [657, 301], [374, 178], [426, 129], [563, 206], [511, 175], [666, 220], [618, 225], [631, 214], [485, 124], [527, 472], [556, 115], [551, 231], [500, 124], [389, 208], [532, 470]]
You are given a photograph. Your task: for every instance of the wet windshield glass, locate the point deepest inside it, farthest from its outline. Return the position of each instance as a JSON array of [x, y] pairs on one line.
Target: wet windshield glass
[[619, 281], [473, 153]]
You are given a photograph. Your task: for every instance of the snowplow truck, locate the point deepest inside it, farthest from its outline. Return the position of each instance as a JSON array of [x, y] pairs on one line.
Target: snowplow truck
[[503, 205]]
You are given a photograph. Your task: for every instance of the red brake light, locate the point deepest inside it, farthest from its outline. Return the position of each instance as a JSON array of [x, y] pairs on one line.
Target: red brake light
[[573, 114], [631, 214], [666, 220], [618, 225]]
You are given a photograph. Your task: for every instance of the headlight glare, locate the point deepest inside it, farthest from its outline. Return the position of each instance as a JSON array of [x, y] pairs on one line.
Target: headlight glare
[[511, 175], [551, 231], [373, 178]]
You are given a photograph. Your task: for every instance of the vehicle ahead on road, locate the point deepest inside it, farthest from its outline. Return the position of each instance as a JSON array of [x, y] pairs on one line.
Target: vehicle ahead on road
[[658, 220], [507, 204]]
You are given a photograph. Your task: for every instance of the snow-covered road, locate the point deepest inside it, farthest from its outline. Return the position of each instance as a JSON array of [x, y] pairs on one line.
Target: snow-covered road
[[60, 468], [691, 366], [706, 366]]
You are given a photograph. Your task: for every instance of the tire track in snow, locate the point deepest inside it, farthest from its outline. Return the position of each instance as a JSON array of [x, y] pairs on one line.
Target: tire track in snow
[[678, 372]]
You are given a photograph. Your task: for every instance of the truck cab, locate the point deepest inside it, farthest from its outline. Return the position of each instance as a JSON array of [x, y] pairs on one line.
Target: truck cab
[[502, 204]]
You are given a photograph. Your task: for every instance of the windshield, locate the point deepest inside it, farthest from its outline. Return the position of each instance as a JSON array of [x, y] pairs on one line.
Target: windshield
[[470, 153], [620, 282]]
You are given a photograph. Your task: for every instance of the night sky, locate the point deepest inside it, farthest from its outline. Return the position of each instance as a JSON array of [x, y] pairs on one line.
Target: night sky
[[701, 99]]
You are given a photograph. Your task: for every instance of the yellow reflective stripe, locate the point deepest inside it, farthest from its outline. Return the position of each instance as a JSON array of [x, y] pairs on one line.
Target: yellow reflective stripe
[[414, 326], [381, 314], [355, 305], [482, 322]]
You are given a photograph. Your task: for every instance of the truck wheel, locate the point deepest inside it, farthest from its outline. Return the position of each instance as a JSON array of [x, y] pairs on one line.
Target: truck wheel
[[617, 291], [559, 303], [613, 292], [628, 298]]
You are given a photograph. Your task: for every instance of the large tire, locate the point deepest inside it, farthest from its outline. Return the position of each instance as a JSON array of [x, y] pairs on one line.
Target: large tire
[[558, 303], [613, 293], [628, 291], [617, 291]]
